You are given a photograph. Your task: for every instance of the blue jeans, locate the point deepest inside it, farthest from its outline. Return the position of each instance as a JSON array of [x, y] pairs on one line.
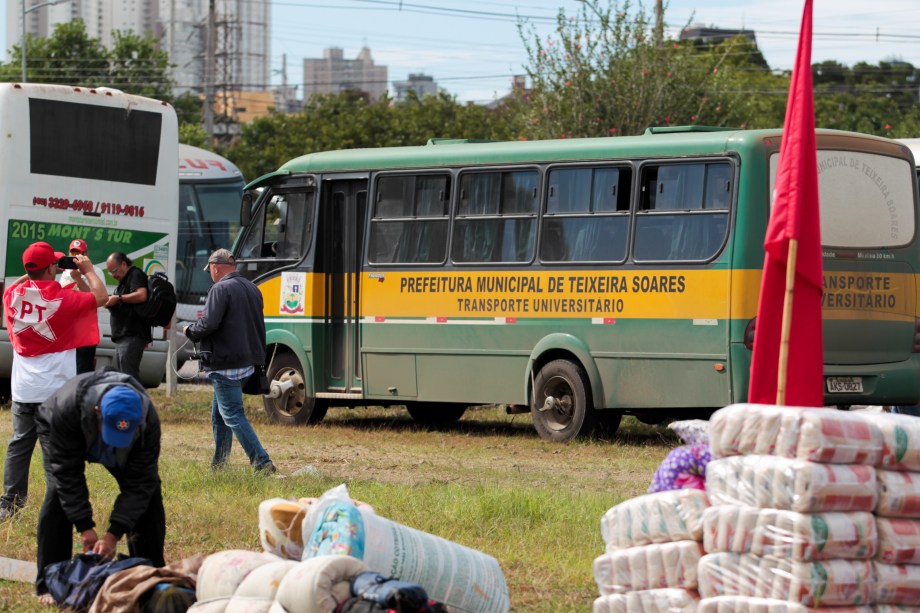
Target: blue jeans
[[19, 455], [229, 420], [907, 409]]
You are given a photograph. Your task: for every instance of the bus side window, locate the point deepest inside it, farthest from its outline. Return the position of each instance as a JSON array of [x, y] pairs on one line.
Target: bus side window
[[409, 222], [685, 215]]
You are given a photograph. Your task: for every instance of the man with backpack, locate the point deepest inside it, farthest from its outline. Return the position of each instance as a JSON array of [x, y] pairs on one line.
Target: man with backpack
[[130, 333], [104, 417]]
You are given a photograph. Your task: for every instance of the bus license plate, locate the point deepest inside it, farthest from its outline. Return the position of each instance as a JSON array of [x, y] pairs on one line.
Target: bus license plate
[[844, 385]]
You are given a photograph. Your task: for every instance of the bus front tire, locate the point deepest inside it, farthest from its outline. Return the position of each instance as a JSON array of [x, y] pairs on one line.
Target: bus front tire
[[561, 407], [435, 414], [294, 406]]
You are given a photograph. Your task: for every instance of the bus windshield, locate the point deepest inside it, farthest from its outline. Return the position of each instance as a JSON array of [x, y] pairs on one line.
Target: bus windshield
[[209, 220]]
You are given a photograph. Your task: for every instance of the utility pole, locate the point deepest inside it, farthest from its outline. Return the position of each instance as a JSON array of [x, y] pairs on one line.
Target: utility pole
[[659, 22], [209, 71]]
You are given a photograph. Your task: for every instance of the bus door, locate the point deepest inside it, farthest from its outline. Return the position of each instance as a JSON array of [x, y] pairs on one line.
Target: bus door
[[342, 219]]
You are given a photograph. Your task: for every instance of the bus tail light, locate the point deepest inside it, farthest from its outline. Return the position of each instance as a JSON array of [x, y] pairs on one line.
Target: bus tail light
[[749, 334], [916, 347]]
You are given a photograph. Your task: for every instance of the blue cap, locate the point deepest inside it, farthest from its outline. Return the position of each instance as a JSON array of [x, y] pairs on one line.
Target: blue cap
[[121, 409]]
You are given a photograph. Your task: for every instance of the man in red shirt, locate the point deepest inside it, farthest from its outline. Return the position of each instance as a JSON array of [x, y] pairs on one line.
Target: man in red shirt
[[46, 324]]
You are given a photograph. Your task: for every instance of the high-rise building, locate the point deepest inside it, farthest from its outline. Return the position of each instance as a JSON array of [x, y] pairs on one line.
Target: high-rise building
[[334, 74], [242, 34], [421, 84]]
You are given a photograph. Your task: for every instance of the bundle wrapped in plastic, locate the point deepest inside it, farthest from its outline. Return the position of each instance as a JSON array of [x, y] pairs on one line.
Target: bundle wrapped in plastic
[[748, 604], [648, 567], [900, 440], [459, 577], [830, 583], [794, 485], [803, 537], [662, 517], [667, 600], [897, 584], [816, 435], [280, 523], [898, 493], [898, 540]]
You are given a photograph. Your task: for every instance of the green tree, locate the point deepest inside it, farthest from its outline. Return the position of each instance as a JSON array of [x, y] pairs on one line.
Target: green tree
[[603, 73], [70, 56], [350, 120]]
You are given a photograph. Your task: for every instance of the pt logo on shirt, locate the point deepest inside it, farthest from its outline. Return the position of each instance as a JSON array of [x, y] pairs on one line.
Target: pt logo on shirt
[[32, 310]]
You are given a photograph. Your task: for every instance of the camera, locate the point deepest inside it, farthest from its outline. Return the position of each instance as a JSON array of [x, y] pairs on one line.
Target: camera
[[67, 262]]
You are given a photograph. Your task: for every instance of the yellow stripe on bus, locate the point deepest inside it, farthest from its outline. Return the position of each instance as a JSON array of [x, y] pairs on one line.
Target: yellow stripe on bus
[[634, 294]]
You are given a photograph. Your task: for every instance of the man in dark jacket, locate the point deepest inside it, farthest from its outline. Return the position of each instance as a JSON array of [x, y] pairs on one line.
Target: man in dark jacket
[[107, 418], [232, 334], [129, 333]]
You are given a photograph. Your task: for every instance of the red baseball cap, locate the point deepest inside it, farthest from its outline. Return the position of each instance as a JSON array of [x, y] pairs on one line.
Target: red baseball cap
[[40, 255], [78, 244]]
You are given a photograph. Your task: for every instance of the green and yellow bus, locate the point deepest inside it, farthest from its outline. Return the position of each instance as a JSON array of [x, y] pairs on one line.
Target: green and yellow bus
[[577, 279]]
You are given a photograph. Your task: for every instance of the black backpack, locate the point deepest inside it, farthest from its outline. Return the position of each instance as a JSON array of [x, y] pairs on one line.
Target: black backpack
[[161, 301]]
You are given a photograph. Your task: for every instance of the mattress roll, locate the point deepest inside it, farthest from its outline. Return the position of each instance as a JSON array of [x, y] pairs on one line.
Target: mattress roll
[[318, 585], [222, 573], [898, 493], [662, 517], [263, 581], [668, 600], [898, 540], [646, 567], [795, 485], [897, 584]]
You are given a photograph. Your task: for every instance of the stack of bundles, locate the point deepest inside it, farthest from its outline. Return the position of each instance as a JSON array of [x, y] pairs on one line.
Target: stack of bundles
[[897, 565], [653, 548], [334, 525], [791, 521]]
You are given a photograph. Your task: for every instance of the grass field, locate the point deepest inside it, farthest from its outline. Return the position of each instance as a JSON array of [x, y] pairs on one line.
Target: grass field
[[489, 482]]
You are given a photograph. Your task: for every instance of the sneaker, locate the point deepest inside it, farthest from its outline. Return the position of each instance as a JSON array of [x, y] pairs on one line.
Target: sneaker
[[266, 469]]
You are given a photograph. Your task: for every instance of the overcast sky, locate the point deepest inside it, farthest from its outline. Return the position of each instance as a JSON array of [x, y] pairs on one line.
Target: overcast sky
[[472, 47]]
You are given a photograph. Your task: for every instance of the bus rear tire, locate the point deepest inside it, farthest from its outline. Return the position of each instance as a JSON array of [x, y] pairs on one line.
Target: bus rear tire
[[295, 406], [435, 414], [561, 407]]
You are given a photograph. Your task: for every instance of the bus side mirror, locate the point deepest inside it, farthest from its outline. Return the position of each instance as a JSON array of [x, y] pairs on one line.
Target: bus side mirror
[[246, 208]]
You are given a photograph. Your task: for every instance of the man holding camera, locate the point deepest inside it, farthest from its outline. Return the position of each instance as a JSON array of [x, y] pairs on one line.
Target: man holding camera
[[45, 324], [86, 356]]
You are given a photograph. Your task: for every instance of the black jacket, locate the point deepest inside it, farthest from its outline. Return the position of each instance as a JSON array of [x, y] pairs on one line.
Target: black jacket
[[124, 321], [68, 427], [232, 327]]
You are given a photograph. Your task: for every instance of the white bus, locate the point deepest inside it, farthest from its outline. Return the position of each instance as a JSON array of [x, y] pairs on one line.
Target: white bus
[[210, 188], [96, 164]]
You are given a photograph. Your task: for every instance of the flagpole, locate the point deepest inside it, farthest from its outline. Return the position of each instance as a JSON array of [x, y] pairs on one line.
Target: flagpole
[[786, 324]]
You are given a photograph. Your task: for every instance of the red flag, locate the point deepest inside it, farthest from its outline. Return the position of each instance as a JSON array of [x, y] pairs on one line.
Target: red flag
[[795, 216], [42, 317]]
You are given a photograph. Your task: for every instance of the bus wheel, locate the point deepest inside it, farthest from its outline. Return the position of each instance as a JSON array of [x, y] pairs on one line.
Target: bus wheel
[[561, 406], [288, 401], [436, 413]]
